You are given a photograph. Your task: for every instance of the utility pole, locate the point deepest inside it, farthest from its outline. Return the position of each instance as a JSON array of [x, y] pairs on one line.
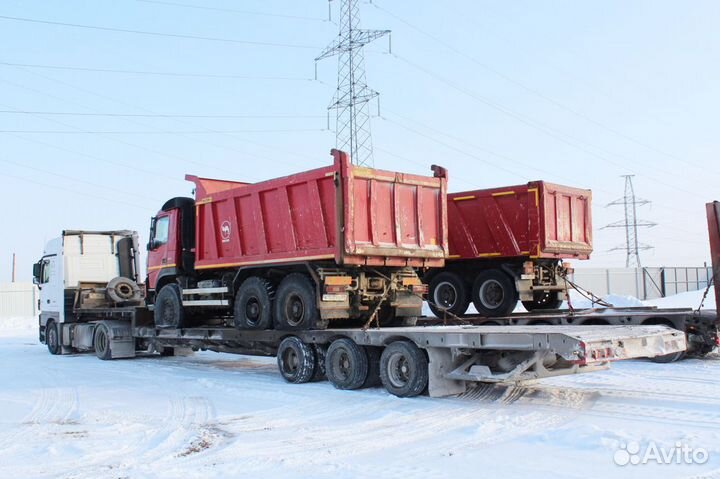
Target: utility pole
[[14, 265], [352, 128], [631, 223]]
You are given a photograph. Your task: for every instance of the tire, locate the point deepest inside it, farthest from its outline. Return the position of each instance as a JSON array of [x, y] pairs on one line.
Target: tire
[[346, 364], [542, 301], [121, 290], [296, 306], [168, 311], [52, 338], [404, 369], [253, 304], [296, 360], [494, 293], [373, 375], [448, 292], [101, 343], [668, 358]]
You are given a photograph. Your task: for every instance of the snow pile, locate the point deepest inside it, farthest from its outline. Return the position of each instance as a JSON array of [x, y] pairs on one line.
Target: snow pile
[[18, 326]]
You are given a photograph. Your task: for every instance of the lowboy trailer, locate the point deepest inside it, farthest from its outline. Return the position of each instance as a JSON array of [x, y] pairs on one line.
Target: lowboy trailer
[[407, 361]]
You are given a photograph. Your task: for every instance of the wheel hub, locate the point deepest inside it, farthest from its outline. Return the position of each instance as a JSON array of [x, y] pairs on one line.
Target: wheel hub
[[445, 295], [491, 294]]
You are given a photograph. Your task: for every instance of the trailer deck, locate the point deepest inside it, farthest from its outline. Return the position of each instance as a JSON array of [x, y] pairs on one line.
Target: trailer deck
[[449, 358]]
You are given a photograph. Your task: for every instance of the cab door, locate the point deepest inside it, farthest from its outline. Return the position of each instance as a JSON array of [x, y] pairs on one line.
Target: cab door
[[51, 287], [162, 247]]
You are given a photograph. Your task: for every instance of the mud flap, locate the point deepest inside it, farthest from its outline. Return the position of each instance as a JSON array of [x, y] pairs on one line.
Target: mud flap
[[440, 364]]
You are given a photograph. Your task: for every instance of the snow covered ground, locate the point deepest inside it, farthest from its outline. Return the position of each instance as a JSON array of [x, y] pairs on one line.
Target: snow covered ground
[[220, 415]]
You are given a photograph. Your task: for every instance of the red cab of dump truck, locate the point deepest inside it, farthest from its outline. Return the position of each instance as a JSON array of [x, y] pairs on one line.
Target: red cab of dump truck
[[338, 242], [505, 245]]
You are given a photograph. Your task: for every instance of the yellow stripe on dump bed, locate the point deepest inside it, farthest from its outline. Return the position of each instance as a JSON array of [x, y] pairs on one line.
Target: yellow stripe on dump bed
[[463, 198]]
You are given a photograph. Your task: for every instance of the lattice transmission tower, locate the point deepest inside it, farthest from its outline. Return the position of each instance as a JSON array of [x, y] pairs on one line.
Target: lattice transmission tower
[[631, 223], [352, 129]]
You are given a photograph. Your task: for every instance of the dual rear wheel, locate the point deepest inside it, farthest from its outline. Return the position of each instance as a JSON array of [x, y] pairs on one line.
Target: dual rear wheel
[[493, 293], [401, 367]]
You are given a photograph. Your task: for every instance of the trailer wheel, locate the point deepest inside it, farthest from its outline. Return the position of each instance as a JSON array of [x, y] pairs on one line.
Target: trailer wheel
[[494, 293], [52, 338], [102, 343], [668, 358], [296, 360], [346, 364], [543, 300], [253, 304], [296, 305], [448, 292], [168, 307], [404, 369]]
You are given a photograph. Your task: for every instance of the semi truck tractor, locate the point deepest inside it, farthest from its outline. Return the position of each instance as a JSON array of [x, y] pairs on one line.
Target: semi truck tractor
[[340, 243], [507, 244]]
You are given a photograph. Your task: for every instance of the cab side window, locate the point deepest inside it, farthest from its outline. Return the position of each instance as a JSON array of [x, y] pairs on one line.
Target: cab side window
[[47, 267], [161, 231]]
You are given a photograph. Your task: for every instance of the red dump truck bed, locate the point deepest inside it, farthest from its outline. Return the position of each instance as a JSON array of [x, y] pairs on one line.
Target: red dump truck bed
[[538, 220], [349, 214]]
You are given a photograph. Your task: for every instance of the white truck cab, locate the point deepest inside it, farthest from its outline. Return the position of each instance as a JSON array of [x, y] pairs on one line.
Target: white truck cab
[[85, 269]]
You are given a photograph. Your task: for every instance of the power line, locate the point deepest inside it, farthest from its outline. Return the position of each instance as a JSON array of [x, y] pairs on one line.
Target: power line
[[232, 10], [154, 115], [155, 34], [158, 73], [536, 92], [548, 131], [160, 132]]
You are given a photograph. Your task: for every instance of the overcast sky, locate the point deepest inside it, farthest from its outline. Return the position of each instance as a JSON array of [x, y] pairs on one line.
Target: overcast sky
[[500, 93]]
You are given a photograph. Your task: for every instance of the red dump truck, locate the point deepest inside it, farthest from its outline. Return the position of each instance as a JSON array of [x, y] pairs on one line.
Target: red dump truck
[[507, 244], [335, 243]]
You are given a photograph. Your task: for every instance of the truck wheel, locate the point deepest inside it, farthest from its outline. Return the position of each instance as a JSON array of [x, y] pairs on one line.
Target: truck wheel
[[448, 292], [52, 338], [295, 304], [542, 301], [253, 304], [494, 293], [168, 307], [296, 360], [668, 358], [102, 343], [122, 289], [404, 369], [346, 364]]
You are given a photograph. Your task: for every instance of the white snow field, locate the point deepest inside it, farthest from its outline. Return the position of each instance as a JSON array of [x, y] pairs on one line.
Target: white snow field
[[221, 415]]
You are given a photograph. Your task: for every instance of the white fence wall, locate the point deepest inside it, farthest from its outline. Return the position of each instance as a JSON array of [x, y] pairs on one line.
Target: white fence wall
[[18, 300], [642, 283]]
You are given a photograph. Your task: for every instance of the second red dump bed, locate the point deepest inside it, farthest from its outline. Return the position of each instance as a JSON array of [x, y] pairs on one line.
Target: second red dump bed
[[538, 220], [343, 213]]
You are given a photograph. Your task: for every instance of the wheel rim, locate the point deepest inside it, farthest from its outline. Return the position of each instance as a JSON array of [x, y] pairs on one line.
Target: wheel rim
[[168, 314], [543, 298], [398, 369], [344, 365], [294, 310], [125, 291], [445, 295], [252, 310], [290, 361], [491, 294]]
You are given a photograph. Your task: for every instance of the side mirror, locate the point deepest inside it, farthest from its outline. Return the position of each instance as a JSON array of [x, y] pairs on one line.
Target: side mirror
[[37, 272]]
